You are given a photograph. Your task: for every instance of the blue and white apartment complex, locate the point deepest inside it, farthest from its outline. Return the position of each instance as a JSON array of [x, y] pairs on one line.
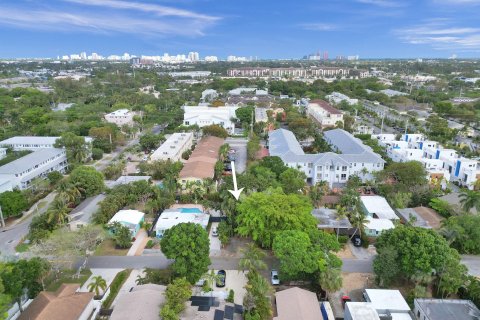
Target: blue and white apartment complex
[[440, 163], [353, 157]]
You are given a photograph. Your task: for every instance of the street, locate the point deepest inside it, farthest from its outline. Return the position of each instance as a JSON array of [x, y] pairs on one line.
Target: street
[[11, 236], [159, 261], [240, 147]]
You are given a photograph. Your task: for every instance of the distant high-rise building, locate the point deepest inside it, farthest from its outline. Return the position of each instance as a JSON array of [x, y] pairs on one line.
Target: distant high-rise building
[[83, 56], [325, 55], [211, 58], [193, 56]]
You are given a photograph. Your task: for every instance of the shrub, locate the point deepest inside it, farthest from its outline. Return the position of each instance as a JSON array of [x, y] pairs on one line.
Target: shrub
[[97, 153], [231, 296], [54, 177], [343, 239], [115, 287], [149, 244]]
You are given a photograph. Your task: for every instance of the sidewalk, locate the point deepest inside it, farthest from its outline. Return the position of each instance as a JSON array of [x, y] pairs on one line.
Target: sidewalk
[[137, 247]]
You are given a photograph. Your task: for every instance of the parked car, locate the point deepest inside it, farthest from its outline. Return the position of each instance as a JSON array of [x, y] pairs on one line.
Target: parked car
[[214, 232], [222, 276], [274, 277], [232, 151], [357, 240]]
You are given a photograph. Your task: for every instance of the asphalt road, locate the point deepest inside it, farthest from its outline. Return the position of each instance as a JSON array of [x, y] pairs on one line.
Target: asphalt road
[[240, 147], [11, 236], [161, 262]]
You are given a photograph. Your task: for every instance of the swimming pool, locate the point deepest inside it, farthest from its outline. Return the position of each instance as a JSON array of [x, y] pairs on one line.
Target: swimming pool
[[190, 210]]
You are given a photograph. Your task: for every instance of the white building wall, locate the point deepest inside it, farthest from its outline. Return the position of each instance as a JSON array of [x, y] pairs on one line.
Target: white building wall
[[120, 117]]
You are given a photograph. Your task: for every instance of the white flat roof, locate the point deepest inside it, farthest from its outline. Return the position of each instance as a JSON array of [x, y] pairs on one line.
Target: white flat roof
[[383, 299], [170, 147], [119, 112], [379, 224], [379, 206], [171, 218], [129, 216], [362, 311]]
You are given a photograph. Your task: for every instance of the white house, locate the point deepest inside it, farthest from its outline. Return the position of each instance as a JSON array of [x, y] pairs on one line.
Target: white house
[[38, 164], [171, 217], [209, 95], [120, 117], [337, 97], [32, 142], [355, 158], [173, 147], [324, 113], [132, 219], [377, 207], [374, 227], [205, 116], [261, 115]]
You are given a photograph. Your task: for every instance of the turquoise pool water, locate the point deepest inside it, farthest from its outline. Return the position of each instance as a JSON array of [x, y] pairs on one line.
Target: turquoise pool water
[[190, 210]]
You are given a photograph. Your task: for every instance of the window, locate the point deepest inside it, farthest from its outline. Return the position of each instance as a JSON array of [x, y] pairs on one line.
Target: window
[[344, 168], [344, 176], [319, 167], [187, 123]]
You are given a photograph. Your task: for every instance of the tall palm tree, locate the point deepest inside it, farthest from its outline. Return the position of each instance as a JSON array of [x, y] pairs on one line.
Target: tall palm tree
[[252, 259], [58, 211], [330, 279], [358, 220], [211, 278], [470, 199], [68, 192], [97, 284], [341, 214]]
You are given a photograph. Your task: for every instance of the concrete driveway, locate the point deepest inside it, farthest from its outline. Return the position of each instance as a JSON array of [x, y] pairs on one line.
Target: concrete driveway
[[240, 147], [215, 244]]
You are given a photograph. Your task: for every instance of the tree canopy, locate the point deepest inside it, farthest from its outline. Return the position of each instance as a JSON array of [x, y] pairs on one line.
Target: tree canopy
[[13, 203], [88, 180], [189, 246], [262, 215]]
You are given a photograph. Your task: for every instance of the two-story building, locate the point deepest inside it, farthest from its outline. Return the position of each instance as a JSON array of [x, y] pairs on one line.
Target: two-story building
[[324, 113], [173, 147], [120, 117], [334, 168], [205, 116]]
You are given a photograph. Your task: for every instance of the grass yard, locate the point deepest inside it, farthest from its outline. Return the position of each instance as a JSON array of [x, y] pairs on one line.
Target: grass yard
[[22, 247], [52, 282], [107, 248]]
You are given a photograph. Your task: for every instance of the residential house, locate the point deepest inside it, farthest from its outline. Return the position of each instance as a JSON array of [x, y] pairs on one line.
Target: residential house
[[422, 217], [205, 116], [324, 113], [120, 117], [329, 221], [299, 304], [393, 93], [173, 148], [445, 309], [141, 302], [201, 164], [64, 304], [176, 215], [360, 311], [377, 207], [375, 226], [132, 219], [261, 115], [337, 97], [379, 304], [21, 172]]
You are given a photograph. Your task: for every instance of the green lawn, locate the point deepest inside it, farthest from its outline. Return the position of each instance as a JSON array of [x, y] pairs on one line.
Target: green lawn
[[22, 247], [107, 248], [52, 283]]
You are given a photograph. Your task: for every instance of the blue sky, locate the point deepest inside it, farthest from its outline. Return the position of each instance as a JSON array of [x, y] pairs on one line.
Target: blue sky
[[262, 28]]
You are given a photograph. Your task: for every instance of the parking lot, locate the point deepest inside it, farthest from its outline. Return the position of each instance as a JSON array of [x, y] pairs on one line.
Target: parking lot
[[240, 147]]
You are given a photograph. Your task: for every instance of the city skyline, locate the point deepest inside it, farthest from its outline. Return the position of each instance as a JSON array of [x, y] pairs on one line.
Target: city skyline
[[267, 30]]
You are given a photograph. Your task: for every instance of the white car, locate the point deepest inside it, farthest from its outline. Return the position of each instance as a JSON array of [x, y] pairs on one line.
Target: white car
[[274, 277], [214, 232]]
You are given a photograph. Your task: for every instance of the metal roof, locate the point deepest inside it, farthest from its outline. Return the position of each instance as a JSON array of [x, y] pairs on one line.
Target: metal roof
[[345, 142], [30, 160]]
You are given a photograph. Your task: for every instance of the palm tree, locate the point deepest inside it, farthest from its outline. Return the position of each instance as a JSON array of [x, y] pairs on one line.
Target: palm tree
[[211, 278], [341, 214], [58, 211], [316, 193], [252, 259], [330, 279], [470, 199], [97, 283], [358, 220], [68, 192]]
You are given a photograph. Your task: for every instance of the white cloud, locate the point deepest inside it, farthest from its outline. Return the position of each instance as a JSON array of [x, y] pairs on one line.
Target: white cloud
[[141, 19], [145, 7], [383, 3], [319, 26], [441, 35], [109, 22]]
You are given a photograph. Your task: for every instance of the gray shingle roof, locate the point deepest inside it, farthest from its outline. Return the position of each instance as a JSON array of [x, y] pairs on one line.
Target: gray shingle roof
[[282, 141], [29, 161], [345, 142]]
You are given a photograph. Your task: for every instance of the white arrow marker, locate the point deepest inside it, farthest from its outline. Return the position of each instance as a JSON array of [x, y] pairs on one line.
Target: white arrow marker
[[235, 192]]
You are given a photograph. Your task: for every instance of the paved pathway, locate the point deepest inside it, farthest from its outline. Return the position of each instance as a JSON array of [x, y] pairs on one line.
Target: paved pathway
[[139, 244]]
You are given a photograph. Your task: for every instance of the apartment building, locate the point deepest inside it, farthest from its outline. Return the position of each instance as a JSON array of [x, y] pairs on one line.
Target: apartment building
[[355, 159], [3, 153], [441, 164], [120, 117], [21, 172], [32, 143], [324, 113], [313, 72], [205, 116], [337, 97], [173, 147]]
